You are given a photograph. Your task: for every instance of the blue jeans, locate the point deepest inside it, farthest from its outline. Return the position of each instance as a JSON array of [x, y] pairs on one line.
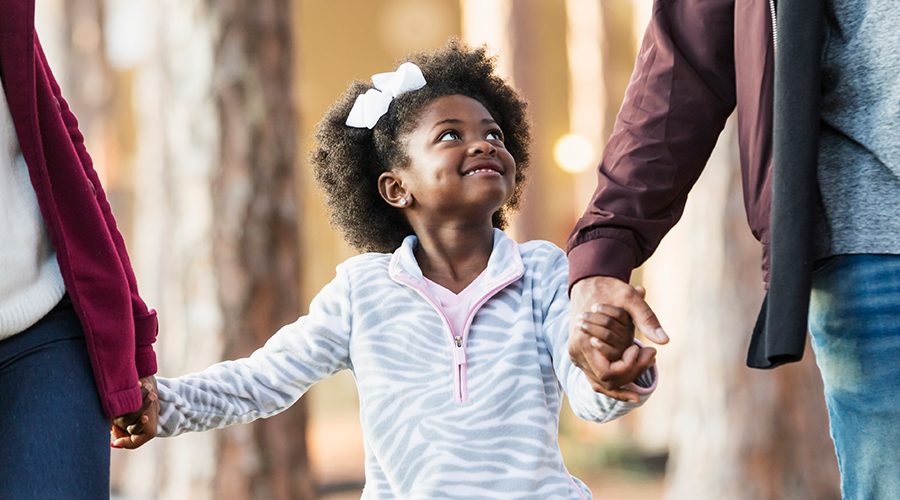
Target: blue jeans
[[54, 439], [854, 319]]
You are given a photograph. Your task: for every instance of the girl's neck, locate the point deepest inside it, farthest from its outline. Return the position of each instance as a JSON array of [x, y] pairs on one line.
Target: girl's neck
[[454, 257]]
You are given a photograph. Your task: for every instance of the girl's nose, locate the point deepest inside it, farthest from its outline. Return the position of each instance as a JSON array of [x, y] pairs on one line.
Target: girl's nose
[[481, 147]]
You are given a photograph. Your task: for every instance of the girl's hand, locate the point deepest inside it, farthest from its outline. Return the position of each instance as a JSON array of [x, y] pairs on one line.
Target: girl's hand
[[601, 343], [132, 430], [610, 329]]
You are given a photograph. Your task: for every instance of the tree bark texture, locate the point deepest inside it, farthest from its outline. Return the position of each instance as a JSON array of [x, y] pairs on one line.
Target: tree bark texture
[[538, 49], [255, 234], [71, 32], [217, 249]]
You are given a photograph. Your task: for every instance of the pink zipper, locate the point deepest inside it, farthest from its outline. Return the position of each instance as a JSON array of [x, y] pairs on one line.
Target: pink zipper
[[458, 343], [458, 346], [460, 382], [462, 392]]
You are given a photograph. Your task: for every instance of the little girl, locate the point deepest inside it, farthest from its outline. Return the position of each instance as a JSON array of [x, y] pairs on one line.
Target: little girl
[[455, 334]]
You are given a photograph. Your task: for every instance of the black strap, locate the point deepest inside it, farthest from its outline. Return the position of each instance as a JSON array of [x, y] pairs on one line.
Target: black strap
[[780, 333]]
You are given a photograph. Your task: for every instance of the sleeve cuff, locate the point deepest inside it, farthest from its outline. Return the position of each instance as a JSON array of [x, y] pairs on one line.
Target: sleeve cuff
[[145, 329], [601, 257], [145, 361], [645, 384]]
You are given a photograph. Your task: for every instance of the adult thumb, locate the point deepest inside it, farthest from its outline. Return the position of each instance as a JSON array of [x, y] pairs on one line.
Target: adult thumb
[[645, 319]]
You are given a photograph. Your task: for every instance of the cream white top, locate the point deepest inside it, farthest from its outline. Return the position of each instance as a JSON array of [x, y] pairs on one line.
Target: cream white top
[[30, 280]]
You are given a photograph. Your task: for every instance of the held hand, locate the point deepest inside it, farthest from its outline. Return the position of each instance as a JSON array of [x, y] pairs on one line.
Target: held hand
[[610, 329], [601, 334], [134, 429], [617, 293]]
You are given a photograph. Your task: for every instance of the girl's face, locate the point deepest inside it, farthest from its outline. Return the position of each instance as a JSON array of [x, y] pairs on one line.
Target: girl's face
[[459, 168]]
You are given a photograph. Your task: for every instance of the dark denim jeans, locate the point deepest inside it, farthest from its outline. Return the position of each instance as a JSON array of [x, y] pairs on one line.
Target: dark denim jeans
[[54, 439], [855, 324]]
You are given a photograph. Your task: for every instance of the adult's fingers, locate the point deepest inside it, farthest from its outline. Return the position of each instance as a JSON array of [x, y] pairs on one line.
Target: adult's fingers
[[617, 293], [643, 316], [138, 427]]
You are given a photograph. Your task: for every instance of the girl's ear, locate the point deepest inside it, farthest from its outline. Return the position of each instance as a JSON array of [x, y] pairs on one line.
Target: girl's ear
[[391, 188]]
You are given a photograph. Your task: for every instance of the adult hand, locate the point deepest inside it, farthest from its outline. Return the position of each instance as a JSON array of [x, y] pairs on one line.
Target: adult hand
[[608, 373], [132, 430], [617, 293]]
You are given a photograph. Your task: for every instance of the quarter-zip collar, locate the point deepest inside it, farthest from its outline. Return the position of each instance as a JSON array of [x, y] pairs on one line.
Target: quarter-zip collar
[[503, 268], [504, 262]]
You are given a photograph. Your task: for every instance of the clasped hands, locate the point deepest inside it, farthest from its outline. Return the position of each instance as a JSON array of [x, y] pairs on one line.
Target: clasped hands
[[132, 430], [605, 313]]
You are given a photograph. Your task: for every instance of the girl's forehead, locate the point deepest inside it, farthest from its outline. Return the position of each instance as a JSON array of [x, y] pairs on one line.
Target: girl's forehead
[[454, 107]]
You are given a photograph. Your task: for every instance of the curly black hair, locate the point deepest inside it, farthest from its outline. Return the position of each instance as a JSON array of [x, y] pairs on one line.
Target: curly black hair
[[347, 161]]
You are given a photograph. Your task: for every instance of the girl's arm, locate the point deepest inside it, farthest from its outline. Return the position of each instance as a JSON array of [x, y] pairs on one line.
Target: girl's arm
[[585, 402], [313, 348]]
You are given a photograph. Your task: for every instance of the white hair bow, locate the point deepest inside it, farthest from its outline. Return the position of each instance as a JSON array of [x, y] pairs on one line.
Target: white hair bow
[[372, 105]]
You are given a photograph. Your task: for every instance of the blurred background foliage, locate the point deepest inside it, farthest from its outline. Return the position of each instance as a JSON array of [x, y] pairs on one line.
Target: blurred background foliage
[[198, 114]]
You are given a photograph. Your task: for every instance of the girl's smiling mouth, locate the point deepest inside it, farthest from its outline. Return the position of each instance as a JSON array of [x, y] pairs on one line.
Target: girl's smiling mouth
[[483, 168], [482, 171]]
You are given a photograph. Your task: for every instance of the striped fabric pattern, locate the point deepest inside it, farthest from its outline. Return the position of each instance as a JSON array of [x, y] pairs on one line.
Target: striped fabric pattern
[[421, 439]]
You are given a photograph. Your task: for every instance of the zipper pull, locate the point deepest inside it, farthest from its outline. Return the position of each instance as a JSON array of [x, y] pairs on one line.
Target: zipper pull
[[459, 353]]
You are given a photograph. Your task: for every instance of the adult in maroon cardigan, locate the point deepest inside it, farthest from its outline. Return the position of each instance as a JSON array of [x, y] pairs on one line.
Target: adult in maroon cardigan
[[117, 326]]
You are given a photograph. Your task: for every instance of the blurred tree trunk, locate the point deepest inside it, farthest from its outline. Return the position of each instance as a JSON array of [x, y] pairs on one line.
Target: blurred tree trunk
[[73, 39], [217, 249], [537, 49], [734, 433], [256, 235]]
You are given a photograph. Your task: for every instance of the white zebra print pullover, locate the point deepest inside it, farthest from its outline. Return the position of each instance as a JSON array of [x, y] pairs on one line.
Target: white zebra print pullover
[[468, 415]]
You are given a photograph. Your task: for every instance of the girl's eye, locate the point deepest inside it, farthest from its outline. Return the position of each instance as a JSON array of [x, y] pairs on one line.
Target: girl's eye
[[495, 135], [449, 136]]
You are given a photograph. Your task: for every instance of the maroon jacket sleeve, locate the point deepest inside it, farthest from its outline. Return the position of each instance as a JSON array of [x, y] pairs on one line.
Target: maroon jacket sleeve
[[145, 323], [679, 97]]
